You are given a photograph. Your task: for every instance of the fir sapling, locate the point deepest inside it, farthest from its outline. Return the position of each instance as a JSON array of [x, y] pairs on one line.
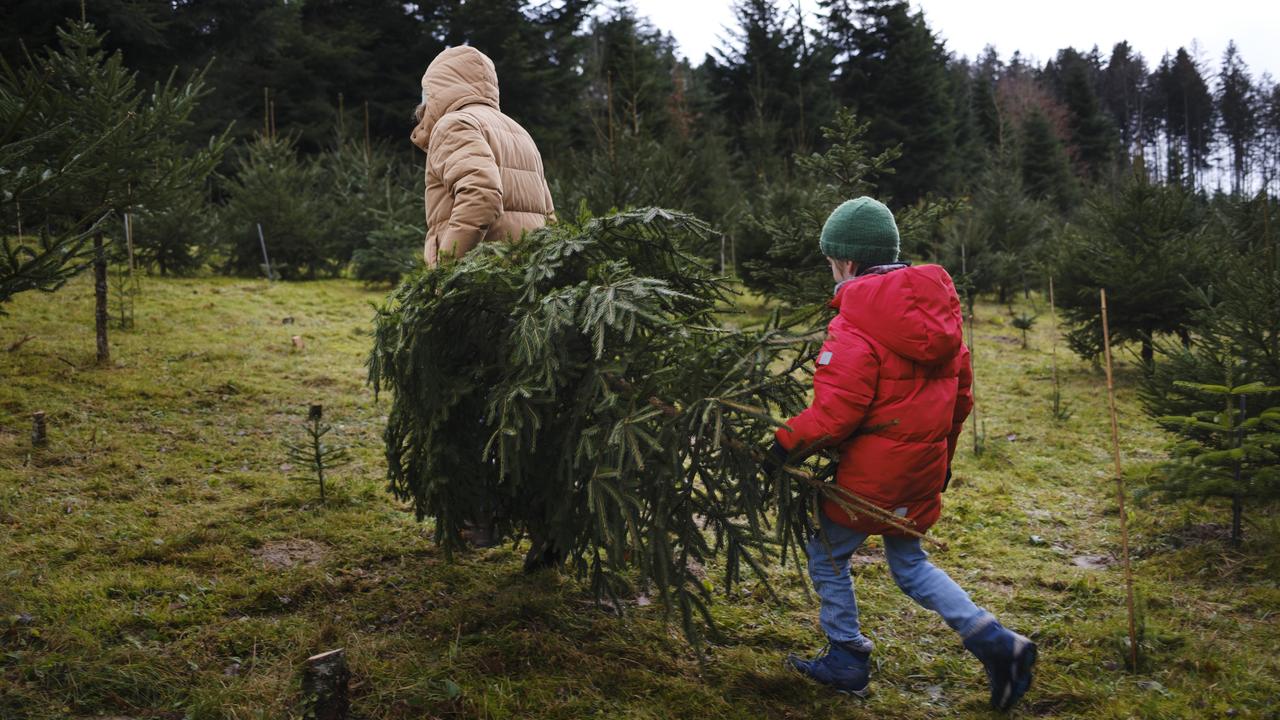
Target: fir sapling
[[315, 454]]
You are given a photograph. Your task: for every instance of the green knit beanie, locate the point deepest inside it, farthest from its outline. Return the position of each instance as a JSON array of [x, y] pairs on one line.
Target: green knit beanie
[[861, 230]]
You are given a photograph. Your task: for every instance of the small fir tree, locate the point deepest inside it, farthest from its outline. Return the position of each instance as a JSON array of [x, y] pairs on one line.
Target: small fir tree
[[1144, 243], [313, 453], [132, 155], [1223, 452], [1024, 321], [392, 246], [1220, 392], [179, 239], [1000, 238], [34, 255], [278, 190]]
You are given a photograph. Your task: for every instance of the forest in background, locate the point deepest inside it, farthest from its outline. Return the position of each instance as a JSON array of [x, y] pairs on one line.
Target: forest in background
[[268, 139]]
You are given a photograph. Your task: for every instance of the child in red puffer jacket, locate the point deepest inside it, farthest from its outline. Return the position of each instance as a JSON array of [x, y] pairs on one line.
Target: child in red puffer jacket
[[891, 392]]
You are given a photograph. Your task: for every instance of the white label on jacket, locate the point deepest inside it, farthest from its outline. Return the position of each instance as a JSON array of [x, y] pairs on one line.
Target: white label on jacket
[[825, 358]]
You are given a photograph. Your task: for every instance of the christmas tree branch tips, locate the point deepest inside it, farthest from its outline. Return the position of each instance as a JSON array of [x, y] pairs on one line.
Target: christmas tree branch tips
[[577, 388]]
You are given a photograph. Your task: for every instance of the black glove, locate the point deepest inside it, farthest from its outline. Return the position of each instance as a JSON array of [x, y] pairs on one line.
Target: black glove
[[947, 482], [776, 458]]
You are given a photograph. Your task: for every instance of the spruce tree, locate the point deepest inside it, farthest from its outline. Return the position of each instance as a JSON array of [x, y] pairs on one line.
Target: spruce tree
[[1224, 452], [393, 245], [1235, 320], [178, 239], [892, 70], [1237, 108], [982, 100], [997, 244], [280, 192], [1092, 134], [577, 389], [105, 146], [1122, 87], [34, 256], [654, 142], [1046, 169], [1270, 122], [1144, 243], [790, 216], [1185, 107], [773, 87]]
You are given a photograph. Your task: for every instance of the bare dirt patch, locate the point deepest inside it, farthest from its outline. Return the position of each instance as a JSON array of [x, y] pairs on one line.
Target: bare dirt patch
[[1092, 562], [283, 554]]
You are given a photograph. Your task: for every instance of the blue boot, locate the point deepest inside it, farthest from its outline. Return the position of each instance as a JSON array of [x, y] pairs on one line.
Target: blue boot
[[1008, 658], [844, 669]]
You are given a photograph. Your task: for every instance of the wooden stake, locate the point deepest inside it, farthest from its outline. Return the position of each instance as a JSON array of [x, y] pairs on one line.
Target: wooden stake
[[1124, 519], [609, 101], [324, 685], [265, 259], [100, 297], [128, 240], [342, 125], [366, 132], [973, 414], [1053, 352], [39, 436]]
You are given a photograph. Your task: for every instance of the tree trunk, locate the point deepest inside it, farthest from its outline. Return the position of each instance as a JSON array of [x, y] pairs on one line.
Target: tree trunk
[[1148, 354], [100, 297], [543, 555], [1237, 514]]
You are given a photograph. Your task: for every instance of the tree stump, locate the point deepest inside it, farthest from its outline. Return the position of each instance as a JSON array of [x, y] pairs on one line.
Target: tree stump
[[39, 438], [324, 686]]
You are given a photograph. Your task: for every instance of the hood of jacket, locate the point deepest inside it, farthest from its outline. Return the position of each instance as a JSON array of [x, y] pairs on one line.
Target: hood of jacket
[[458, 77], [913, 311]]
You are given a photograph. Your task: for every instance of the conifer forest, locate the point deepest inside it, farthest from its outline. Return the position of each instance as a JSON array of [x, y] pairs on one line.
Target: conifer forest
[[263, 454]]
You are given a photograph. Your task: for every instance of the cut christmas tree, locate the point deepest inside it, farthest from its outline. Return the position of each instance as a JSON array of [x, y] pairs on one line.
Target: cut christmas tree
[[578, 388]]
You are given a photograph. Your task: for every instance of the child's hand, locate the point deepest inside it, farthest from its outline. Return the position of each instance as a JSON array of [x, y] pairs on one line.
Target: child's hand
[[776, 458]]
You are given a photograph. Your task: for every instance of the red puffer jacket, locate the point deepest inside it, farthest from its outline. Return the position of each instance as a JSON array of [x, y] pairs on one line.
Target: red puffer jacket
[[891, 392]]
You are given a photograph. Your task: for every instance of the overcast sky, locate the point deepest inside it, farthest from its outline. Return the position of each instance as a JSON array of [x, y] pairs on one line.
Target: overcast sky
[[1039, 29]]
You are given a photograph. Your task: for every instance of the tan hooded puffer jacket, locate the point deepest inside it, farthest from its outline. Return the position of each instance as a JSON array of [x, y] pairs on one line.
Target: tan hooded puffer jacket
[[484, 172]]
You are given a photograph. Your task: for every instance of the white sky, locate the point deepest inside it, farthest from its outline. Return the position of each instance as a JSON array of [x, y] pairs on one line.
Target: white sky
[[1038, 28]]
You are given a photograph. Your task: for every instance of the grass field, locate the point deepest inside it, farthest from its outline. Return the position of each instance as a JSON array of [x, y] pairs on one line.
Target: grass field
[[160, 560]]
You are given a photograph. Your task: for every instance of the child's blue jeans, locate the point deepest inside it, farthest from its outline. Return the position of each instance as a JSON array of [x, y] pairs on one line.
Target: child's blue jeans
[[911, 569]]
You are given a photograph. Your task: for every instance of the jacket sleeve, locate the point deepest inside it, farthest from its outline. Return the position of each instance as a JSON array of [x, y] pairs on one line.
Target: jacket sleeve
[[465, 164], [964, 402], [844, 385]]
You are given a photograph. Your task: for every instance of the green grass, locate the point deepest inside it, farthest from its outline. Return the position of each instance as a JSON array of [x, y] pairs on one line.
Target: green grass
[[133, 550]]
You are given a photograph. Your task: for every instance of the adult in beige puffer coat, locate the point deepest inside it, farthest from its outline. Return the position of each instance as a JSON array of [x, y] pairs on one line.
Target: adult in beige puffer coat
[[484, 172]]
